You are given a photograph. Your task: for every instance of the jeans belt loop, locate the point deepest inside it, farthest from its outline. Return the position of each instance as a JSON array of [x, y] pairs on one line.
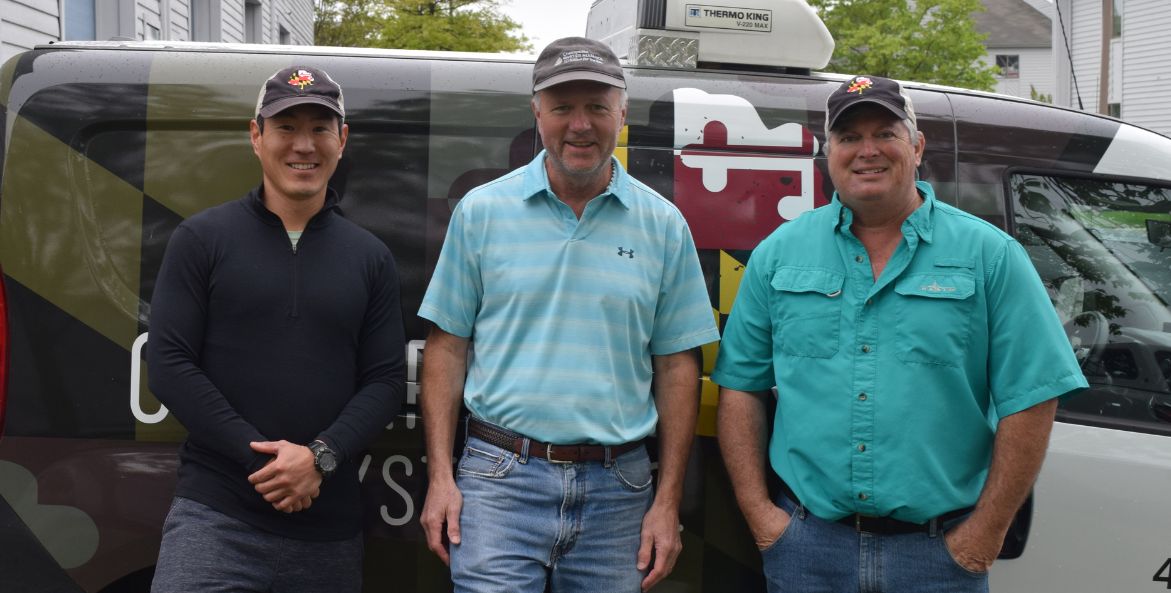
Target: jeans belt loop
[[523, 456], [609, 458], [933, 527]]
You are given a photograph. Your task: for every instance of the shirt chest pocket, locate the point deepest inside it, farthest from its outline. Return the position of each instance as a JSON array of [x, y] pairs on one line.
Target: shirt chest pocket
[[807, 311], [934, 317]]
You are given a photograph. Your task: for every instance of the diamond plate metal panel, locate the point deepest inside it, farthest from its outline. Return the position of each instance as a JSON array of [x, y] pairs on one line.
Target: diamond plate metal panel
[[672, 52]]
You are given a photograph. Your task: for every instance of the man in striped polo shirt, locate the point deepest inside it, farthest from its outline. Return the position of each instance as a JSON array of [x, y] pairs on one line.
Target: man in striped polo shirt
[[572, 283]]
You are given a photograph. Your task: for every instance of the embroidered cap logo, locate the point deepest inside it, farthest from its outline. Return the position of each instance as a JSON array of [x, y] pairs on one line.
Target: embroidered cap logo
[[302, 79], [859, 84]]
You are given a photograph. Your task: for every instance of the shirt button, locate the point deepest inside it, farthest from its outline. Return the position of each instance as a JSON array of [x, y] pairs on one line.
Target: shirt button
[[858, 258], [861, 397], [862, 448], [866, 348], [862, 496]]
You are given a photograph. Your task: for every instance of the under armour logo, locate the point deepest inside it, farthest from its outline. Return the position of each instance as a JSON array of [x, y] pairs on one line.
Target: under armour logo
[[627, 252]]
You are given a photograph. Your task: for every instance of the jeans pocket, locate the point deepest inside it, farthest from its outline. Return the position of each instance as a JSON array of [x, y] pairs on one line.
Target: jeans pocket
[[794, 520], [956, 563], [481, 463], [633, 471], [175, 504]]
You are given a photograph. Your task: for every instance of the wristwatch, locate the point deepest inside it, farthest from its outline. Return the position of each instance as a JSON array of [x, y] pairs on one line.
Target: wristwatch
[[324, 459]]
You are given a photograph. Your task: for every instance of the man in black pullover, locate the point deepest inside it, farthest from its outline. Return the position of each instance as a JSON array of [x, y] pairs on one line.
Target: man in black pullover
[[276, 338]]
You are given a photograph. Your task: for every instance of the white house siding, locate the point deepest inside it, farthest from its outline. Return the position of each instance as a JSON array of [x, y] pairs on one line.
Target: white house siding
[[148, 12], [232, 21], [25, 23], [298, 16], [1086, 43], [180, 20], [1036, 71], [1146, 65]]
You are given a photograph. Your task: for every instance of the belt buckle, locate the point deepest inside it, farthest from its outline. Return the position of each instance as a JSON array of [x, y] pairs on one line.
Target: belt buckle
[[549, 455]]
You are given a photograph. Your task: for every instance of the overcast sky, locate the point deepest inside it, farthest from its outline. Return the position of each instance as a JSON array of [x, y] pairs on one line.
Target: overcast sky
[[545, 20]]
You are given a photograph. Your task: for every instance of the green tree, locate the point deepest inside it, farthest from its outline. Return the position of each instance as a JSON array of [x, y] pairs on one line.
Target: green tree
[[453, 25], [923, 40], [1042, 97]]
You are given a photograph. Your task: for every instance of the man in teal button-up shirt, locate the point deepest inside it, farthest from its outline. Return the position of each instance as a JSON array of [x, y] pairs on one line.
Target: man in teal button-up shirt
[[916, 358]]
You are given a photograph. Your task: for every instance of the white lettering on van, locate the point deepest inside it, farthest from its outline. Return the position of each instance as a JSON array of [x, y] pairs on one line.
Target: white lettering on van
[[414, 366], [408, 469], [365, 465], [136, 385], [414, 374]]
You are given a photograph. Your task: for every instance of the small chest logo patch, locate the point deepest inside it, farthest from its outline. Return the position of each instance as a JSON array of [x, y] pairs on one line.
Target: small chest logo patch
[[627, 252], [935, 287]]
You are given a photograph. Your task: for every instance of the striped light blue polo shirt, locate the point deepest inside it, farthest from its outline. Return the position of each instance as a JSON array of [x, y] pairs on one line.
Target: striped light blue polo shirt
[[565, 314]]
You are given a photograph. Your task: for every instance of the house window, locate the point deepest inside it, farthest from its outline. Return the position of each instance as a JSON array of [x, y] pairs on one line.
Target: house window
[[1009, 65], [79, 20], [285, 36], [252, 21], [1117, 31], [1114, 110], [205, 20]]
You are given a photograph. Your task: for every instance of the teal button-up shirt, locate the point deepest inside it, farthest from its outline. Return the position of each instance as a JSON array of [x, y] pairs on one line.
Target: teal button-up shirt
[[889, 391]]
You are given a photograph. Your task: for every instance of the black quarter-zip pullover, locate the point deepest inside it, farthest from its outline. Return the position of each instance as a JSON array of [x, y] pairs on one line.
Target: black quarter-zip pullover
[[251, 340]]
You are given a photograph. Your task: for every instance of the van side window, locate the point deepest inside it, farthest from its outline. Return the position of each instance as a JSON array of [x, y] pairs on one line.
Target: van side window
[[1103, 250]]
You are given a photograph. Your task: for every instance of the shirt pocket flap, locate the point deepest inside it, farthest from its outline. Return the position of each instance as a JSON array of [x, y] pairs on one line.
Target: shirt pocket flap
[[826, 282], [938, 286]]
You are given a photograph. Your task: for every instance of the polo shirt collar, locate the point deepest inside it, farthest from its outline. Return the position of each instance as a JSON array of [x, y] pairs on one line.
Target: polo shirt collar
[[921, 221], [536, 180]]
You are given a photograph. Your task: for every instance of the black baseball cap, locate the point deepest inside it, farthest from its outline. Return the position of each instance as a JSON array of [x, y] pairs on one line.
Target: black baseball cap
[[297, 86], [868, 89], [577, 58]]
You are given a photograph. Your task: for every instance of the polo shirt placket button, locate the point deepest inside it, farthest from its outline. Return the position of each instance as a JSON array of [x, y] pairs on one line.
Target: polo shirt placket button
[[866, 348], [859, 258]]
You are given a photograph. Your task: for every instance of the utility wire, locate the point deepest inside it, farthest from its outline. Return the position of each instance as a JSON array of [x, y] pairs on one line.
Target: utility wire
[[1072, 71]]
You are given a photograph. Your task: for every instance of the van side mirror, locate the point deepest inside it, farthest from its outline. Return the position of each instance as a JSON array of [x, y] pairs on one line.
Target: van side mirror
[[1159, 233]]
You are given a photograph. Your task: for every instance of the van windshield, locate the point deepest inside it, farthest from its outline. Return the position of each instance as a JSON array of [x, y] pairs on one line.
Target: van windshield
[[1103, 250]]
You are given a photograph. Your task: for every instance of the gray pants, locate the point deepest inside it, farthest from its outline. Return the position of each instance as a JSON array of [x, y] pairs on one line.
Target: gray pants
[[205, 551]]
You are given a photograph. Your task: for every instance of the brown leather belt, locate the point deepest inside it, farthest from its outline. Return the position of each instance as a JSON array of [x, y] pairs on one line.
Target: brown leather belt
[[511, 441]]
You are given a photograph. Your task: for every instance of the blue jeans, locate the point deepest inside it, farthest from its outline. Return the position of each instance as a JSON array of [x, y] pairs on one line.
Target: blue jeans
[[526, 520], [205, 551], [818, 556]]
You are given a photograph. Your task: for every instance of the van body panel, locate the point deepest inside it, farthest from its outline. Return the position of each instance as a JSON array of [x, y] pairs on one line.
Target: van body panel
[[109, 146]]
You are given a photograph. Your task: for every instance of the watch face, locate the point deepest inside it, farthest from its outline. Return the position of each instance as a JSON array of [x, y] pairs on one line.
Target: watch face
[[327, 462]]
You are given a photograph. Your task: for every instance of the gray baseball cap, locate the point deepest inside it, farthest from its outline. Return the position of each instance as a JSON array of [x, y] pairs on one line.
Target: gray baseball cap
[[577, 58]]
